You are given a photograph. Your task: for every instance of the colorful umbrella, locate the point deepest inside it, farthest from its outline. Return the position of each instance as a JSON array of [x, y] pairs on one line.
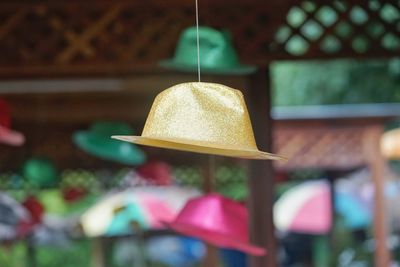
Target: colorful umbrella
[[307, 208], [175, 251], [14, 219], [359, 184], [143, 208], [168, 251], [233, 258]]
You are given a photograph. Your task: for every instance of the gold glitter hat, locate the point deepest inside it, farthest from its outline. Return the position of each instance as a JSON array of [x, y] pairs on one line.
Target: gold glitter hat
[[201, 117]]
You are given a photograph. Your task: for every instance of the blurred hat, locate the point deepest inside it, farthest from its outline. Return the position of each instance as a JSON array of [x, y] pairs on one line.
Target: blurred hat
[[7, 135], [14, 219], [73, 193], [201, 117], [40, 171], [156, 172], [217, 220], [390, 141], [217, 55], [390, 144], [35, 208], [96, 142]]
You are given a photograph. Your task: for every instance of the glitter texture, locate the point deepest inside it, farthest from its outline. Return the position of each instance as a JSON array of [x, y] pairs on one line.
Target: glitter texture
[[201, 117]]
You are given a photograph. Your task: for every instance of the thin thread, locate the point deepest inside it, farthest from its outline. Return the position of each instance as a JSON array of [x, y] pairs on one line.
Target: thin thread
[[211, 171], [198, 41]]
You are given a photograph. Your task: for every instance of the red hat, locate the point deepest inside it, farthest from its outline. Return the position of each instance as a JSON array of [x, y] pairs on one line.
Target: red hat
[[156, 172], [8, 136], [35, 208], [72, 194], [217, 220]]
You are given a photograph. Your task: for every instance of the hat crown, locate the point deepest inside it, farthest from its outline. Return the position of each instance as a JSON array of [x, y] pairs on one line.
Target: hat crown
[[205, 113], [216, 49], [216, 213]]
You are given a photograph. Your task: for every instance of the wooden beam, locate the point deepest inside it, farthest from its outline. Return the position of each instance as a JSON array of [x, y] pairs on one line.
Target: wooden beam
[[211, 259], [261, 178]]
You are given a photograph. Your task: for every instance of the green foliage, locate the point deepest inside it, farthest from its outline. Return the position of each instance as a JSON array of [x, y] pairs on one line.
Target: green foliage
[[335, 82], [76, 254], [11, 255], [229, 181]]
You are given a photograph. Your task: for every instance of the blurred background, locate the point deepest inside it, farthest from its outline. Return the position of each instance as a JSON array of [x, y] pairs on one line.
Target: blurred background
[[322, 88]]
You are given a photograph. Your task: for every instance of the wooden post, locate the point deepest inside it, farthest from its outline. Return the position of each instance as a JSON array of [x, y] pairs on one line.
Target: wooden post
[[97, 257], [31, 252], [376, 165], [330, 246], [261, 177]]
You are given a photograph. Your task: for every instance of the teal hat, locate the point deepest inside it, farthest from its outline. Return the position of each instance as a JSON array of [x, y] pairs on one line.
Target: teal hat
[[40, 171], [217, 55], [97, 142]]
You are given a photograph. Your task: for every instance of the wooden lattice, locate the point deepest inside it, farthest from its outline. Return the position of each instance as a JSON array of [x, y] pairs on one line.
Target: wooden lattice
[[324, 28], [125, 36], [341, 148]]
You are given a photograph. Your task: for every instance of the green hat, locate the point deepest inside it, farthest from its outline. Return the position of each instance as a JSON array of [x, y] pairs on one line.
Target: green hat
[[40, 171], [217, 55], [97, 142]]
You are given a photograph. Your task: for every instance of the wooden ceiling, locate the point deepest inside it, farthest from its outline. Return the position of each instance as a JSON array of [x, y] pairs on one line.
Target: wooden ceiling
[[47, 38]]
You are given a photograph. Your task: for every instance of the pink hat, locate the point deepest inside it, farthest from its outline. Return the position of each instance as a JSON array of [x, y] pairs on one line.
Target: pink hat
[[217, 220], [8, 136]]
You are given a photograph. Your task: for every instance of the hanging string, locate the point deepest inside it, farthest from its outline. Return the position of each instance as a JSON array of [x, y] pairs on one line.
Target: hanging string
[[209, 174], [198, 41], [211, 158], [211, 170]]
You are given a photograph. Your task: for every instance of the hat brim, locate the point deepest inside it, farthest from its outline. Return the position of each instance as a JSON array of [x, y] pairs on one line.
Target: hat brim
[[11, 137], [197, 147], [234, 70], [215, 238], [131, 155]]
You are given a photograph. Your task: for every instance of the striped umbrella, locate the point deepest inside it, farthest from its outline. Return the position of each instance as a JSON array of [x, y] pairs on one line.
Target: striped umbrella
[[15, 220], [144, 208], [307, 208]]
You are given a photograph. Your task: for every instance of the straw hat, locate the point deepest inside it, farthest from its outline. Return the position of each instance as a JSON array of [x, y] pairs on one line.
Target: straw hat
[[217, 220], [217, 54], [201, 117]]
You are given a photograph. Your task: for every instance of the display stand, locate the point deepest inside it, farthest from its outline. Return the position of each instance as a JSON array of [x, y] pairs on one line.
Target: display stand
[[124, 40]]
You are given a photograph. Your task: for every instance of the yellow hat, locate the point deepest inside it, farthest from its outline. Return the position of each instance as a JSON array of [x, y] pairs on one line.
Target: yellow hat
[[390, 144], [201, 117]]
